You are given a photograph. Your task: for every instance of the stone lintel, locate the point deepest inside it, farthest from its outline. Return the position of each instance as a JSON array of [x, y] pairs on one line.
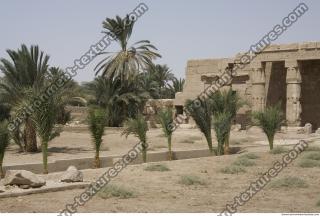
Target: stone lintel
[[291, 63]]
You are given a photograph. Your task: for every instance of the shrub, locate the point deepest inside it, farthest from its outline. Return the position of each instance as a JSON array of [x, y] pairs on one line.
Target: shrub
[[187, 141], [289, 182], [165, 117], [191, 180], [318, 203], [278, 150], [307, 163], [157, 167], [243, 162], [249, 156], [233, 169], [115, 191]]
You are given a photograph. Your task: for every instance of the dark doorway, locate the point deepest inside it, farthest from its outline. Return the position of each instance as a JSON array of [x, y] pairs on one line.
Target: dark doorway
[[310, 92], [276, 84]]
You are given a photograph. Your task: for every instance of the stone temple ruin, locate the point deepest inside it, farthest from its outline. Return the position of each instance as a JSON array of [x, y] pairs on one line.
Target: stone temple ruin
[[287, 74]]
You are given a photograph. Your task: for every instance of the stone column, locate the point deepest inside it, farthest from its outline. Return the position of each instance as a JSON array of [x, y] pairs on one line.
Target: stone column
[[258, 80], [293, 93]]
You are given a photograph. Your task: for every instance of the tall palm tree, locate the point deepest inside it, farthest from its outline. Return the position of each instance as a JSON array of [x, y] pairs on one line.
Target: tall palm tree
[[227, 102], [165, 117], [4, 142], [270, 121], [129, 59], [25, 69], [120, 98], [202, 115], [97, 122], [138, 127], [177, 85]]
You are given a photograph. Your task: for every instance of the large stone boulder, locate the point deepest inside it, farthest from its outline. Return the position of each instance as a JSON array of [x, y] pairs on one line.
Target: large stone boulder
[[318, 131], [72, 174], [2, 189], [308, 128], [23, 177]]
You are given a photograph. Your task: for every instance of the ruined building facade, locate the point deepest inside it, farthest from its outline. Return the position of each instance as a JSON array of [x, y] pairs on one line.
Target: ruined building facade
[[285, 74]]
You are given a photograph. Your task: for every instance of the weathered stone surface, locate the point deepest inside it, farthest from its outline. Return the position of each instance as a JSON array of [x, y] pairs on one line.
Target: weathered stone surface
[[308, 128], [72, 174], [236, 127], [23, 177], [2, 189]]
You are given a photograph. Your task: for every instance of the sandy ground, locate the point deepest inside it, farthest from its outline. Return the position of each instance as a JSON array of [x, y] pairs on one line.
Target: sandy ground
[[77, 143], [161, 191]]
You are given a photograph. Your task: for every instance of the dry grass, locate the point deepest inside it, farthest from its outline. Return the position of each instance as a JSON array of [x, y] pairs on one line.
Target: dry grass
[[249, 156], [157, 167], [279, 150], [312, 156], [233, 169], [241, 161], [191, 180], [115, 191], [289, 182], [307, 163]]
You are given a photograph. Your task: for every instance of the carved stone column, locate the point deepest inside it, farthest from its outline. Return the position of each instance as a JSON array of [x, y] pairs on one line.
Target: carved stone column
[[293, 80], [258, 95]]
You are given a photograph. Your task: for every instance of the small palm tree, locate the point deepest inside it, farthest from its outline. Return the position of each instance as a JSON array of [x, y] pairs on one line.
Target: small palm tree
[[138, 127], [221, 125], [202, 115], [97, 122], [165, 117], [4, 142], [270, 121], [44, 119], [227, 102]]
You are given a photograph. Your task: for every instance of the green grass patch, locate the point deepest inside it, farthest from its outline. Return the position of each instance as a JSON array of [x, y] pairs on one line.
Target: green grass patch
[[249, 156], [157, 167], [279, 150], [289, 182], [312, 148], [115, 191], [191, 180], [312, 156], [307, 163], [243, 162], [233, 169]]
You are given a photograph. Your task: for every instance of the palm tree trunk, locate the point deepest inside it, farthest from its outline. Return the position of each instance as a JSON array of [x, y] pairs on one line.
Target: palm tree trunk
[[1, 169], [144, 152], [209, 141], [97, 160], [169, 146], [44, 146], [226, 144], [30, 137], [270, 139]]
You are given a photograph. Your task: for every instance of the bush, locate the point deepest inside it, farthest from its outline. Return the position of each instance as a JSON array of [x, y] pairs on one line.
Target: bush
[[318, 203], [157, 167], [289, 182], [243, 162], [191, 180], [249, 156], [115, 191], [278, 150], [233, 169], [307, 163]]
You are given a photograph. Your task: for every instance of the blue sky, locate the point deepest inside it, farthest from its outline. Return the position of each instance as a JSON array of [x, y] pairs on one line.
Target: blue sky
[[181, 30]]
